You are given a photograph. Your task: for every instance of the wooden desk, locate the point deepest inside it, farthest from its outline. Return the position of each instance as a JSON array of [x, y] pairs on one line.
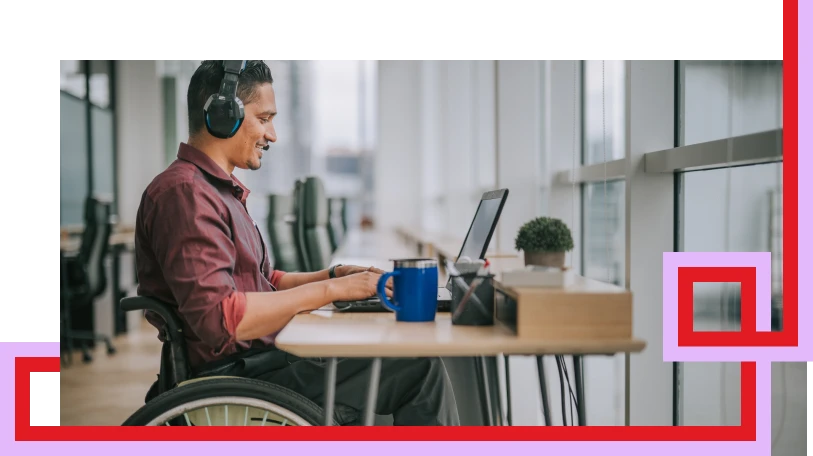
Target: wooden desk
[[327, 333], [123, 239]]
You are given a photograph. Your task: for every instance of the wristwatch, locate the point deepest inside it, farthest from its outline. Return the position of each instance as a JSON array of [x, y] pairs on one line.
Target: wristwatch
[[332, 271]]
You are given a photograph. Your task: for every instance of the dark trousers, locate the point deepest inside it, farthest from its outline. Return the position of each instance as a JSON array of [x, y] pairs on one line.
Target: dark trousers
[[415, 391]]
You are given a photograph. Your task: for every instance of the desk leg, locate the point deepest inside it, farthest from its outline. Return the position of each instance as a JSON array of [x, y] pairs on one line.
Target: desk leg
[[544, 389], [577, 365], [372, 392], [494, 383], [508, 392], [330, 390]]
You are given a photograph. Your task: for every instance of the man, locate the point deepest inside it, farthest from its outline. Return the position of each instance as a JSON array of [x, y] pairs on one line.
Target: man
[[198, 248]]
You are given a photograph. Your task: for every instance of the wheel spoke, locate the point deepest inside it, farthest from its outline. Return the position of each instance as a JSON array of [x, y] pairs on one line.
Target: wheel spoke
[[265, 417], [186, 415], [226, 423], [208, 420], [245, 420], [284, 421]]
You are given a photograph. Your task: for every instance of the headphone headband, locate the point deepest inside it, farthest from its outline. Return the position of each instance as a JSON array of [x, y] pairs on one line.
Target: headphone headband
[[223, 112]]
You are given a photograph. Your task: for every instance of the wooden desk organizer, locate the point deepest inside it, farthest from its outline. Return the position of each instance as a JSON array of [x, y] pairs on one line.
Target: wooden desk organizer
[[586, 310]]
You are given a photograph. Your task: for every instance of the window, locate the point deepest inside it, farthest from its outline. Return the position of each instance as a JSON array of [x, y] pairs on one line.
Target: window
[[342, 102], [604, 232], [604, 100], [723, 99], [102, 140], [73, 160], [87, 136], [604, 124], [603, 222], [100, 78], [72, 78]]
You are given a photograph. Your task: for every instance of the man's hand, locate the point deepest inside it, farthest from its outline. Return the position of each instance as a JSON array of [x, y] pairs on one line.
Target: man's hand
[[359, 285], [348, 270]]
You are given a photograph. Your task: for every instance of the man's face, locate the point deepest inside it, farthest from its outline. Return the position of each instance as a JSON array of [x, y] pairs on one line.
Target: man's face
[[257, 130]]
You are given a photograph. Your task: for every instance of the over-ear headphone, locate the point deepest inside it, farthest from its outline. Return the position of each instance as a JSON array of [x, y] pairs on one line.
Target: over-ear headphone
[[223, 112]]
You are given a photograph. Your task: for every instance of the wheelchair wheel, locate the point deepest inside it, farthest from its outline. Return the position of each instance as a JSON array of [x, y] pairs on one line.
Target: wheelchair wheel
[[229, 401]]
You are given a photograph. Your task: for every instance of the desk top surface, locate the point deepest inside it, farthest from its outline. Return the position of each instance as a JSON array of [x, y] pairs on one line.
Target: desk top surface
[[327, 333], [126, 239]]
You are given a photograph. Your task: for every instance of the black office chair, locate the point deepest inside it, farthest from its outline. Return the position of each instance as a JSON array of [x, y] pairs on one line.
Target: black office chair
[[281, 228], [335, 225], [314, 212], [299, 227], [84, 278], [343, 214]]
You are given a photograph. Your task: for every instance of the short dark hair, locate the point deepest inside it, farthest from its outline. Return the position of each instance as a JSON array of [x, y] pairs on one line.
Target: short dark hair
[[207, 79]]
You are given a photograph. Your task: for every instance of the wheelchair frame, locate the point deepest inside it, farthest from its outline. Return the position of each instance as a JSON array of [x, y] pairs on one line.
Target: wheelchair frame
[[175, 374]]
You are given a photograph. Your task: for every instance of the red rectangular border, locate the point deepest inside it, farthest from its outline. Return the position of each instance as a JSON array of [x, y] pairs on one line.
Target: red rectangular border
[[746, 431], [789, 336]]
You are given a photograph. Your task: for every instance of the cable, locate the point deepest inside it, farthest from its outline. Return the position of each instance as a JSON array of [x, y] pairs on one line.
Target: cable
[[570, 388], [562, 389]]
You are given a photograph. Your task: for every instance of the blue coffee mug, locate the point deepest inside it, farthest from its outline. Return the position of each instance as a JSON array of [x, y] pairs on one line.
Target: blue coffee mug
[[415, 289]]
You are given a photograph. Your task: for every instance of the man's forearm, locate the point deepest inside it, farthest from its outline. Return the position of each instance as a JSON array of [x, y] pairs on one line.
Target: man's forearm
[[267, 313], [296, 279]]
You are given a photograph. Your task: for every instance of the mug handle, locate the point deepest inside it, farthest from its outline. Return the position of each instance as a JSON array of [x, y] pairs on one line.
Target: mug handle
[[382, 291]]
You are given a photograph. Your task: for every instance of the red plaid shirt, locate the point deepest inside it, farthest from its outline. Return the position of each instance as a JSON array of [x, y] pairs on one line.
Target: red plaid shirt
[[198, 249]]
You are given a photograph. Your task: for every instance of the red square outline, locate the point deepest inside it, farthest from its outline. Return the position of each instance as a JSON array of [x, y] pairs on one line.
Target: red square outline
[[746, 431], [687, 277]]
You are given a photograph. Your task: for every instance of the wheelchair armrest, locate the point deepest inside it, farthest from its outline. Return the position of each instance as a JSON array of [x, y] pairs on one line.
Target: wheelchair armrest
[[174, 323], [175, 353]]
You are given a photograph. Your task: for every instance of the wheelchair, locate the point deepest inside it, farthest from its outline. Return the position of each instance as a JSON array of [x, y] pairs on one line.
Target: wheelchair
[[183, 400]]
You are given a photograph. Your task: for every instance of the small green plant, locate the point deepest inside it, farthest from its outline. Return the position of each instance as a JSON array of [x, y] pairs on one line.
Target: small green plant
[[544, 234]]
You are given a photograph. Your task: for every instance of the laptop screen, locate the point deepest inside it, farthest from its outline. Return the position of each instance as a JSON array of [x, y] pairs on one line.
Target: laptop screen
[[484, 220]]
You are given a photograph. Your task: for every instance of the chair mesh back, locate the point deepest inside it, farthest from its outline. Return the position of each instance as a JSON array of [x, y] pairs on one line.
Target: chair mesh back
[[281, 233], [95, 242], [299, 227], [317, 238]]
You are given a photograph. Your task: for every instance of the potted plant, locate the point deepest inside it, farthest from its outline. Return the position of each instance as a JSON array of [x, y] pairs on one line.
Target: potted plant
[[545, 241]]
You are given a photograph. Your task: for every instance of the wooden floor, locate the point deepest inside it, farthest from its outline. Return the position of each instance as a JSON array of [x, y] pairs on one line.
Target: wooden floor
[[108, 390]]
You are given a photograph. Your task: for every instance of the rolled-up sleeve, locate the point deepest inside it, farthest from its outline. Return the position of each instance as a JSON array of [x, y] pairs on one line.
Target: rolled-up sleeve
[[194, 248], [275, 277]]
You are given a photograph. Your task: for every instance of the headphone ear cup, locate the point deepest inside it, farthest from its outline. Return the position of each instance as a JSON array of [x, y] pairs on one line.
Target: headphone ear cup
[[223, 117]]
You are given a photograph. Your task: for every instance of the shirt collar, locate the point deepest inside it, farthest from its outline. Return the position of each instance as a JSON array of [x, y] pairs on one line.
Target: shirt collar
[[207, 165]]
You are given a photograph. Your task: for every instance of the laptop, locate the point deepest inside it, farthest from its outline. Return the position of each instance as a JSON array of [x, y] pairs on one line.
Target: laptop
[[474, 247]]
